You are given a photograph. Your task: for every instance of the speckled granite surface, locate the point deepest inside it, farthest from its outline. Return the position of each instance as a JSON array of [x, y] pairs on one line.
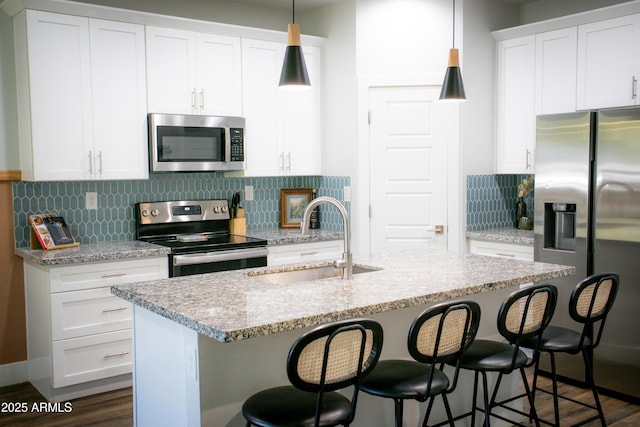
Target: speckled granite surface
[[93, 252], [288, 236], [236, 305], [503, 235]]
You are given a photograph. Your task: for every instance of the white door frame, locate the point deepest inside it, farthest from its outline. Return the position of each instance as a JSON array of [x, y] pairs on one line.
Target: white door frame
[[361, 182]]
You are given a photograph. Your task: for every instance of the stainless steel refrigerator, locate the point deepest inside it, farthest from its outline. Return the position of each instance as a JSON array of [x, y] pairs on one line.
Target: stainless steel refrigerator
[[587, 214]]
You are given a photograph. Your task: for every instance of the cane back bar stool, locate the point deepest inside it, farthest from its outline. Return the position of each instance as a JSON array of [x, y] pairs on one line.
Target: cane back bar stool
[[523, 315], [589, 304], [325, 359], [438, 335]]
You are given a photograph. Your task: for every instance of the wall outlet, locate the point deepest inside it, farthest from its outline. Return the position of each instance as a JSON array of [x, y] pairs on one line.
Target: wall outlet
[[248, 193], [347, 193], [91, 200]]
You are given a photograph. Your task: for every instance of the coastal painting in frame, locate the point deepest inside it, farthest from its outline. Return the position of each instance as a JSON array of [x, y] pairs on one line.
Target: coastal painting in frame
[[292, 205]]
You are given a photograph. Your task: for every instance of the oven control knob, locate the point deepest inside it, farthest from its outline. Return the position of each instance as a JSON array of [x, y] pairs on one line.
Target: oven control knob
[[224, 209], [145, 213], [216, 209], [155, 212]]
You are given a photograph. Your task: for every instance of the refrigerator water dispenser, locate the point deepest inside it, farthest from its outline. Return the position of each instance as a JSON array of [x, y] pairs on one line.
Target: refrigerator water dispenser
[[560, 226]]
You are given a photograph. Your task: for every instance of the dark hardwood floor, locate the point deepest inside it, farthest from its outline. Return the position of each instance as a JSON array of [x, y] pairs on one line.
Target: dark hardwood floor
[[116, 408]]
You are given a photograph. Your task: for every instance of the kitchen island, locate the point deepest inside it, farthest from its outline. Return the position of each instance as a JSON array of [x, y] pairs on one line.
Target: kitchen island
[[204, 343]]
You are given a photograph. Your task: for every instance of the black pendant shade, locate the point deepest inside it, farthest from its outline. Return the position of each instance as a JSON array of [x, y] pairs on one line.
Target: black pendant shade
[[294, 69], [452, 87]]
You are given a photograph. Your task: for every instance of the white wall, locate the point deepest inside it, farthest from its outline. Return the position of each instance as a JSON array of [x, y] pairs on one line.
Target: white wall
[[548, 9], [229, 12], [337, 23], [9, 159]]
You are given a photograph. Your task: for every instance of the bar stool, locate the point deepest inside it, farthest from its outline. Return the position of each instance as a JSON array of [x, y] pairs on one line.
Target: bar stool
[[325, 359], [523, 315], [589, 304], [438, 335]]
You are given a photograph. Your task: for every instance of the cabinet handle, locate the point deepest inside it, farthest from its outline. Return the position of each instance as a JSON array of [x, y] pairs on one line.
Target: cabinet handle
[[527, 159], [308, 253], [109, 310], [202, 100], [634, 87], [107, 276], [289, 161], [112, 355], [193, 100], [505, 255], [90, 163], [100, 162], [282, 162]]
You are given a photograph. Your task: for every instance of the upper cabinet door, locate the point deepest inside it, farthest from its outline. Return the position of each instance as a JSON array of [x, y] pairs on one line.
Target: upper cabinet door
[[171, 71], [54, 91], [608, 63], [119, 97], [284, 126], [556, 62], [302, 131], [219, 75], [516, 105], [261, 65], [193, 73]]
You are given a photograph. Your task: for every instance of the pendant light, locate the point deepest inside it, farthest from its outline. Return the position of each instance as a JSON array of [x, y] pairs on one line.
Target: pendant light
[[294, 71], [452, 87]]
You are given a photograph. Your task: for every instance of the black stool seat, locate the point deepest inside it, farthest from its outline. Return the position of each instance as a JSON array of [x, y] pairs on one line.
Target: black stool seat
[[589, 305], [437, 336], [494, 356], [322, 361], [523, 316], [267, 408], [403, 379], [560, 340]]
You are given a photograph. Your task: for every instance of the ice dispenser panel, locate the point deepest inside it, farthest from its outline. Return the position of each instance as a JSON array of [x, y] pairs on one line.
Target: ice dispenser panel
[[560, 226]]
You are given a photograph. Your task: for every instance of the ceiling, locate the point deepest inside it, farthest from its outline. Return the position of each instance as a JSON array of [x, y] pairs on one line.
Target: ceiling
[[302, 5]]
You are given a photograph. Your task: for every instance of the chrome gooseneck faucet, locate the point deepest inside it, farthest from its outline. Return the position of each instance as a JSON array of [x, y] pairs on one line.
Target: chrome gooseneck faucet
[[346, 263]]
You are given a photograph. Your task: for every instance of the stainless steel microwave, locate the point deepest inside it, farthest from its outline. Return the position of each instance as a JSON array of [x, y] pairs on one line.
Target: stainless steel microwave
[[191, 143]]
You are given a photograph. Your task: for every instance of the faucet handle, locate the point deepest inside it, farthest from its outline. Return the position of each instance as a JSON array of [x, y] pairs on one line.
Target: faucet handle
[[339, 263]]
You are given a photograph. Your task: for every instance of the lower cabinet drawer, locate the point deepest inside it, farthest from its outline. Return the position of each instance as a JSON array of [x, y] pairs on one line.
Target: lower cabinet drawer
[[78, 360], [80, 313], [302, 252]]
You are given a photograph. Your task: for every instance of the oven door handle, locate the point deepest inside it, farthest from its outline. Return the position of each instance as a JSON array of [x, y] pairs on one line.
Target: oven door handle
[[209, 257]]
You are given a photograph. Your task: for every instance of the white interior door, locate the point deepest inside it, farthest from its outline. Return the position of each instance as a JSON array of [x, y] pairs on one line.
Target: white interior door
[[408, 168]]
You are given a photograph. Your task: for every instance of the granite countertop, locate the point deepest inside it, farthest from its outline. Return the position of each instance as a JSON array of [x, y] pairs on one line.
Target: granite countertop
[[127, 249], [287, 236], [236, 305], [503, 235], [93, 252]]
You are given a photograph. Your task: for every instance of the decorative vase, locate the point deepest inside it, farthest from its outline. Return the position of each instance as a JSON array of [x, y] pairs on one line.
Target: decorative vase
[[521, 210]]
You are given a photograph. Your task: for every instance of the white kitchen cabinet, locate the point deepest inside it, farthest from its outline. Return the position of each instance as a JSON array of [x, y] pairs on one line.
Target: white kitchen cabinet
[[516, 105], [555, 72], [193, 73], [81, 98], [283, 134], [608, 63], [305, 252], [501, 250], [78, 333]]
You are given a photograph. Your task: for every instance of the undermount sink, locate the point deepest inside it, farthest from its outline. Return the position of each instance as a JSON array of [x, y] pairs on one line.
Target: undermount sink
[[307, 274]]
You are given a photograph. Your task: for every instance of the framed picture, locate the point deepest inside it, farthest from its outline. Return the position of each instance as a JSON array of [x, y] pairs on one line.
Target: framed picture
[[292, 205]]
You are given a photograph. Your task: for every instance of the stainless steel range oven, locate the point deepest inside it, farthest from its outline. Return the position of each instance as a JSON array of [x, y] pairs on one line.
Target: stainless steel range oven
[[198, 234]]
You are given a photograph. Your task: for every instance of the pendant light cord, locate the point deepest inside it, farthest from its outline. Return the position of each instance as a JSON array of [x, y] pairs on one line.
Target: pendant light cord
[[293, 11], [454, 24]]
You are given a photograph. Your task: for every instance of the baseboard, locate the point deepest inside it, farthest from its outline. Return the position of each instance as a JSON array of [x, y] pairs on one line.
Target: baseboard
[[13, 373]]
